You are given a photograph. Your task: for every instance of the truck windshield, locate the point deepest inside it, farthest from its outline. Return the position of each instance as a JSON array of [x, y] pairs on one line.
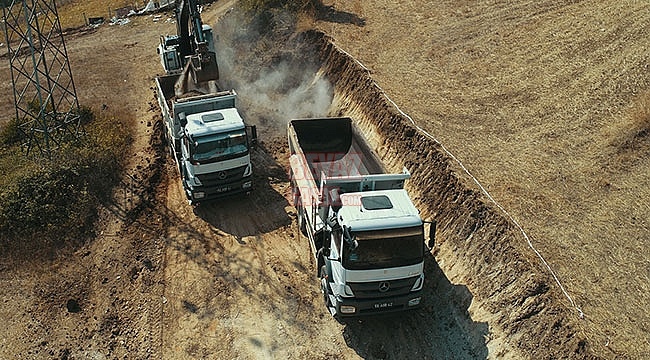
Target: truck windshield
[[219, 147], [385, 248]]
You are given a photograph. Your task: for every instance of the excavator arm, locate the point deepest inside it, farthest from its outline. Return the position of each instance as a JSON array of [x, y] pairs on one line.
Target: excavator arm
[[194, 48]]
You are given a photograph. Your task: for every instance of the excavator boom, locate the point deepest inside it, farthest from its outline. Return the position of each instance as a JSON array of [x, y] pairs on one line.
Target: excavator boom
[[195, 49]]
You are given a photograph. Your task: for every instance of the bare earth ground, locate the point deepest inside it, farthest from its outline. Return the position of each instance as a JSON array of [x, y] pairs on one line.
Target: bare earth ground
[[234, 279]]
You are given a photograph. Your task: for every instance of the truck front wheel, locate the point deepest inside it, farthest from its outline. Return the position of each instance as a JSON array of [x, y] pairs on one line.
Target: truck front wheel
[[324, 285], [301, 218]]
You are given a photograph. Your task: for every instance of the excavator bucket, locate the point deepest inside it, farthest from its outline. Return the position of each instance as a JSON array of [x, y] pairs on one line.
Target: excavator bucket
[[198, 76], [205, 68]]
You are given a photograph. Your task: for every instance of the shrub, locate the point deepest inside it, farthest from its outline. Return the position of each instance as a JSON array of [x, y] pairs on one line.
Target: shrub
[[11, 133], [57, 203]]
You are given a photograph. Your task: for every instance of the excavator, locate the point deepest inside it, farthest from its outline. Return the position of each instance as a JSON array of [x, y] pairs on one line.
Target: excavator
[[190, 52]]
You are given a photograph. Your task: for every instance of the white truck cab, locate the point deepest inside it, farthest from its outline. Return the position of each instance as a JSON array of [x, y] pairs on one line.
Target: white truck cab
[[375, 257], [215, 156]]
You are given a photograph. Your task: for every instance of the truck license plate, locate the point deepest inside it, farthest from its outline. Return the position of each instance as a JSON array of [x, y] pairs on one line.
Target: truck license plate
[[223, 189], [383, 305]]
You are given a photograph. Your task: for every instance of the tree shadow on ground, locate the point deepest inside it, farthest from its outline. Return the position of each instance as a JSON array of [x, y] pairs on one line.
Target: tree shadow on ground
[[441, 329], [330, 14]]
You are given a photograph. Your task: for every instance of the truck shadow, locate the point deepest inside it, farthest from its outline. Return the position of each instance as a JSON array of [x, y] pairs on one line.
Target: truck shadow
[[261, 211], [441, 329]]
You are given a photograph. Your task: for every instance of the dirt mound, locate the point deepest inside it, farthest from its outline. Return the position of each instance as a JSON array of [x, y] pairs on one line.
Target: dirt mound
[[501, 273]]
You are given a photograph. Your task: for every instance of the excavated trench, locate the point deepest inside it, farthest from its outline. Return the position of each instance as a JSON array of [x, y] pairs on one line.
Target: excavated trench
[[492, 294], [476, 244]]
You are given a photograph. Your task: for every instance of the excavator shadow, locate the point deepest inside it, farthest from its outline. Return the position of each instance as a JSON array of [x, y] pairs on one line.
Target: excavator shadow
[[441, 328]]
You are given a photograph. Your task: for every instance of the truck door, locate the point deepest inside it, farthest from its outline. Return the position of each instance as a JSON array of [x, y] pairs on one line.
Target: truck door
[[335, 253]]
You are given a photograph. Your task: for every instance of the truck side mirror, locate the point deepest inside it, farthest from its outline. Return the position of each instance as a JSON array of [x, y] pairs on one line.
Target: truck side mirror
[[327, 239], [252, 130], [432, 235], [182, 118], [335, 200], [349, 239]]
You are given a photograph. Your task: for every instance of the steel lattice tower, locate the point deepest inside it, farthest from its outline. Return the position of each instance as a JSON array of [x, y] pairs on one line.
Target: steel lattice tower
[[44, 91]]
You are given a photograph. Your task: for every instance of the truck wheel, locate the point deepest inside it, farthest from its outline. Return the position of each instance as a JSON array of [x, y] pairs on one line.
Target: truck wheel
[[324, 285], [301, 219]]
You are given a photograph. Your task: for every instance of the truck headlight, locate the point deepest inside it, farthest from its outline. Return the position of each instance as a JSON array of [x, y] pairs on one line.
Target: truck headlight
[[415, 301], [248, 171], [418, 283], [348, 290], [347, 309], [199, 195], [247, 185]]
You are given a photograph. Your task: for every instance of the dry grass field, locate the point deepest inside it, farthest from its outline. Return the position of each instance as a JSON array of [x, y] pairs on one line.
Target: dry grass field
[[73, 14]]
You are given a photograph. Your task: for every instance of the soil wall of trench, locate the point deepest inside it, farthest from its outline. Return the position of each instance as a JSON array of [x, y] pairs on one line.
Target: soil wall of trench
[[517, 295]]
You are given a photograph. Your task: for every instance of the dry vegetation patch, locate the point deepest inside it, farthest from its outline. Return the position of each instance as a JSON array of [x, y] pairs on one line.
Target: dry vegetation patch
[[634, 142], [54, 202]]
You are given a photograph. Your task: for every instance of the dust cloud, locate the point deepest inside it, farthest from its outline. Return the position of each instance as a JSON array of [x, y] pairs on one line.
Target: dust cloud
[[282, 98], [270, 95]]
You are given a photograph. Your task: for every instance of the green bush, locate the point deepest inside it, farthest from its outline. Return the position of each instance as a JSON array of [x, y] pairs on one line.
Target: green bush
[[11, 133], [57, 202]]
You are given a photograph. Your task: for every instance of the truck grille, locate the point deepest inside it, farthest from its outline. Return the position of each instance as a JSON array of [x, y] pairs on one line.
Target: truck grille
[[222, 177], [376, 289]]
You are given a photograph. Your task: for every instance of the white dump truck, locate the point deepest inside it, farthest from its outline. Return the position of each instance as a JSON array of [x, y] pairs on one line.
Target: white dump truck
[[366, 235], [208, 139]]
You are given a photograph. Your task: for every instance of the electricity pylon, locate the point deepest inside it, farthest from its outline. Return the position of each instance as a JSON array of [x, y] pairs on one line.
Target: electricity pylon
[[44, 90]]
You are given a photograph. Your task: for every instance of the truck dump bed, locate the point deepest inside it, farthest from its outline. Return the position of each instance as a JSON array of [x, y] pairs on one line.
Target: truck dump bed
[[337, 157], [172, 106], [192, 102], [332, 148]]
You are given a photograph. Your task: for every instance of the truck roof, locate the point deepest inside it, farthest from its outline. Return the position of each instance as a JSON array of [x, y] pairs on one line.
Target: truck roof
[[209, 122], [377, 210]]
